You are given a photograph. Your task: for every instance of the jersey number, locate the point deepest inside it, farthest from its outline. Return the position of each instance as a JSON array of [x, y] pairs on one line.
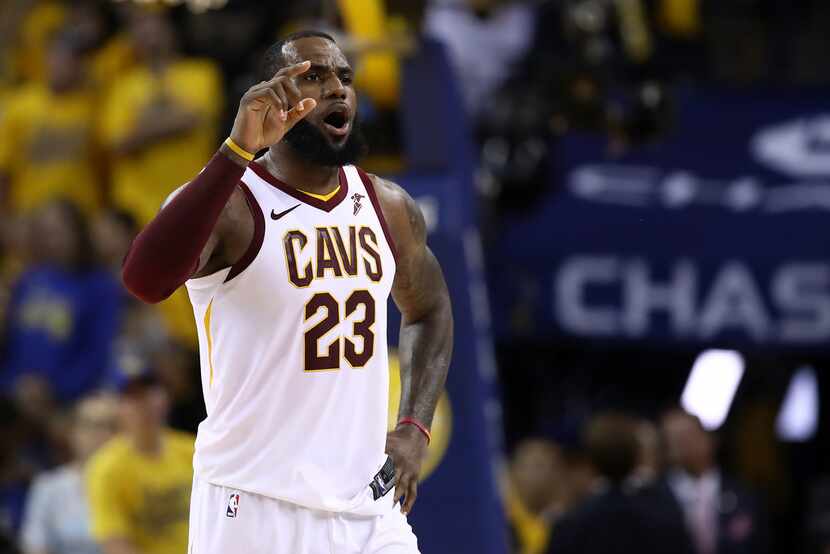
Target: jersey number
[[314, 361]]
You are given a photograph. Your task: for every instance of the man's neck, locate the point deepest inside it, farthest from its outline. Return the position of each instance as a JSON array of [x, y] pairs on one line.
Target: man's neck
[[284, 164]]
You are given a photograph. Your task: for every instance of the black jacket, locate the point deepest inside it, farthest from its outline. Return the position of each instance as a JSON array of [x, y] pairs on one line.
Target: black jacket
[[742, 527], [620, 521]]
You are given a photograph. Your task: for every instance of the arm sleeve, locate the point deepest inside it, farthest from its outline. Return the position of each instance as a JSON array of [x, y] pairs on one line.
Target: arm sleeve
[[166, 253], [34, 534]]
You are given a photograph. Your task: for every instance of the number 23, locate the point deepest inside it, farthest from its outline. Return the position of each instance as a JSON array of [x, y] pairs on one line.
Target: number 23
[[363, 329]]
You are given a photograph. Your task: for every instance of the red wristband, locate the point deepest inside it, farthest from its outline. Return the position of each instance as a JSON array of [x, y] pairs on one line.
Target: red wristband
[[421, 427]]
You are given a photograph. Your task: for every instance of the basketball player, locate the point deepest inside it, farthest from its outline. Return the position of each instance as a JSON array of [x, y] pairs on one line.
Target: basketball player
[[289, 261]]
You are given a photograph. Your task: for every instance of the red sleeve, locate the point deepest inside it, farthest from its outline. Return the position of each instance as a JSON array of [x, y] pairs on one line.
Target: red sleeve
[[166, 253]]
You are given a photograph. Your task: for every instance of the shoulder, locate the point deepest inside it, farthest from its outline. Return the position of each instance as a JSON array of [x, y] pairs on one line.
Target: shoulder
[[568, 530], [402, 214], [110, 458], [238, 197], [53, 479], [390, 194]]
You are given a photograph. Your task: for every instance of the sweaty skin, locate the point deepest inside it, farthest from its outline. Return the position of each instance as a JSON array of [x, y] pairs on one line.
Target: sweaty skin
[[419, 289]]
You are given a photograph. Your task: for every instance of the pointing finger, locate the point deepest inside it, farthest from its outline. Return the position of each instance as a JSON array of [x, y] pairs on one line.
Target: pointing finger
[[293, 70]]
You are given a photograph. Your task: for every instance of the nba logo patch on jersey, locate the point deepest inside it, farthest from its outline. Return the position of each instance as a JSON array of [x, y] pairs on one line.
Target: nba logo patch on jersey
[[233, 505]]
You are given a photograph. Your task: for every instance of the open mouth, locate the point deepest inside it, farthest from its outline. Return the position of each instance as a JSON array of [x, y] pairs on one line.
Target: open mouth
[[337, 122]]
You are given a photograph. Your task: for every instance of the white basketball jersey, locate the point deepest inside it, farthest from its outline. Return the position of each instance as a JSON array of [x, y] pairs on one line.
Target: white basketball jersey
[[293, 349]]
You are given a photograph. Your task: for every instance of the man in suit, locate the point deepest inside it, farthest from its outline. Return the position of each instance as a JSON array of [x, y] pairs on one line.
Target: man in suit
[[620, 517], [722, 517]]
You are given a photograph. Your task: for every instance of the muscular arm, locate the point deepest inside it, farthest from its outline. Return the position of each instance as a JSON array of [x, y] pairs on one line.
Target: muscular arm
[[426, 336]]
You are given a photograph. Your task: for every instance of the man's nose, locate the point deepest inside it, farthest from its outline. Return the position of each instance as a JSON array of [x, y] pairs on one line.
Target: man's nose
[[335, 89]]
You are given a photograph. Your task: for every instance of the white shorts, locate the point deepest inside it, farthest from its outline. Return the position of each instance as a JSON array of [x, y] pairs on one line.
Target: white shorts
[[224, 520]]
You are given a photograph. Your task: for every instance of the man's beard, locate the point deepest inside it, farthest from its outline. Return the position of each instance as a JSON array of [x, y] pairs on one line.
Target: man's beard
[[311, 145]]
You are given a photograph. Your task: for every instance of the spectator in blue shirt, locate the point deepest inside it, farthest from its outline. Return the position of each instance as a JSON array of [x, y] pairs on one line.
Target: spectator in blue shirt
[[63, 314]]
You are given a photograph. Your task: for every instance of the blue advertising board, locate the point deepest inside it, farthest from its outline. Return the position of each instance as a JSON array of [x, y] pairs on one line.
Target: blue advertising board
[[459, 508], [719, 234]]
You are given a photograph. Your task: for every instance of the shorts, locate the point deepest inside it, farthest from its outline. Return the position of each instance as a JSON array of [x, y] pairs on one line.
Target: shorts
[[225, 520]]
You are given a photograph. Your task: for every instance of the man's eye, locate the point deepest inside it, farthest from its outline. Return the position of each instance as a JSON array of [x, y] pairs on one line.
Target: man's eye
[[312, 77], [346, 79]]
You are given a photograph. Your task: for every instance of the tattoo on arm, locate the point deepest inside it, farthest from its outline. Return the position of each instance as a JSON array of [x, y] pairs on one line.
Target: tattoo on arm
[[426, 336]]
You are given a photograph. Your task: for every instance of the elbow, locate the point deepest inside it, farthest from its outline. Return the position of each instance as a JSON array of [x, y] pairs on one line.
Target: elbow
[[139, 286], [150, 279]]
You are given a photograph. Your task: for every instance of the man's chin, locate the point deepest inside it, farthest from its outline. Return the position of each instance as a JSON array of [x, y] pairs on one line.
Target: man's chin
[[338, 143], [321, 147]]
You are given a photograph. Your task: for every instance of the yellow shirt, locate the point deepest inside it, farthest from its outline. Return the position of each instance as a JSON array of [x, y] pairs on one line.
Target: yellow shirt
[[142, 499], [532, 531], [379, 71], [111, 60], [48, 147], [680, 17], [37, 27], [143, 180]]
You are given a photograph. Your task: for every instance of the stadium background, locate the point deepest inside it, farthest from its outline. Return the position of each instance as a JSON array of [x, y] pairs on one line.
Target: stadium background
[[616, 189]]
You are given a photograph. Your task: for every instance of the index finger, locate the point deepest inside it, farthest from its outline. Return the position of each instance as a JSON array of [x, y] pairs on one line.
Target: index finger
[[293, 70]]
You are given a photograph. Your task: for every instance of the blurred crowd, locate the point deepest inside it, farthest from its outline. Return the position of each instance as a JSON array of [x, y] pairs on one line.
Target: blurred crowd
[[627, 484], [106, 107]]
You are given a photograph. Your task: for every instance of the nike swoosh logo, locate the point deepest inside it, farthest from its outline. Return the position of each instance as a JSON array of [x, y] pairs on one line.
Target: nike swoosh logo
[[275, 216]]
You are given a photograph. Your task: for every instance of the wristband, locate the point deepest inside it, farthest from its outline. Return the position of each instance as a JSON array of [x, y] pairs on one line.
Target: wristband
[[421, 427], [238, 150]]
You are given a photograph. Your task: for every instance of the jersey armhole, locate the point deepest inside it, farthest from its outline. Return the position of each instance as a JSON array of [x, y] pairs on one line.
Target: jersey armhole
[[256, 241], [373, 197]]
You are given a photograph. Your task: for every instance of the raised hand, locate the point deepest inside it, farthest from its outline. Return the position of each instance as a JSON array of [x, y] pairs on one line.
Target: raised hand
[[270, 109]]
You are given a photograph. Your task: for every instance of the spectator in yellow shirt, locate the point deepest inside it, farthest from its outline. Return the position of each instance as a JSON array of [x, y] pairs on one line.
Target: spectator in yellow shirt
[[530, 494], [47, 135], [160, 124], [160, 119], [27, 28], [109, 50], [139, 483]]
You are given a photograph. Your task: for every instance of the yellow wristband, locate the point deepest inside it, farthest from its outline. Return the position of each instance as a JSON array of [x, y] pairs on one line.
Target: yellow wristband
[[238, 150]]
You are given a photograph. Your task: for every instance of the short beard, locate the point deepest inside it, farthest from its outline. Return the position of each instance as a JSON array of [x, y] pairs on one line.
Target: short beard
[[312, 146]]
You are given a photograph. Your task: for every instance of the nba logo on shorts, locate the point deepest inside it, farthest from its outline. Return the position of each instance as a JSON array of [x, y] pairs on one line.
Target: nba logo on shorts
[[233, 505]]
